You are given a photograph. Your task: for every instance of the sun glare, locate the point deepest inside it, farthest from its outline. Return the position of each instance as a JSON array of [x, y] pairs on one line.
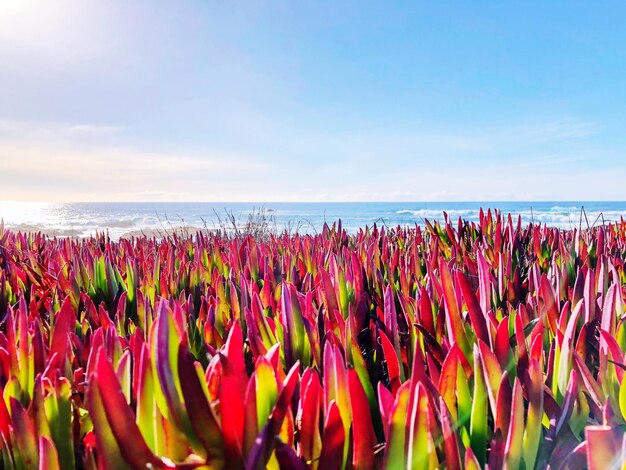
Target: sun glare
[[22, 212]]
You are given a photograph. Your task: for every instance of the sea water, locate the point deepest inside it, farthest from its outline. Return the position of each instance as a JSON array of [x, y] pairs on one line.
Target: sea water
[[122, 218]]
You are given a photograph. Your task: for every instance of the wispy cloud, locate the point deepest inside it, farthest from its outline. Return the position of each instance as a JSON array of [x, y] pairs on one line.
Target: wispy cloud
[[562, 130], [50, 132], [52, 161], [82, 161]]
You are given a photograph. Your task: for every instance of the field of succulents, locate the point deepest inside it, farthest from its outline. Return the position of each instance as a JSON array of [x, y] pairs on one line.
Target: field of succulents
[[457, 345]]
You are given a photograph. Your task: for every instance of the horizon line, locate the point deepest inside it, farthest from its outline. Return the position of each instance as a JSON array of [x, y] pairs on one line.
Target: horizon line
[[434, 201]]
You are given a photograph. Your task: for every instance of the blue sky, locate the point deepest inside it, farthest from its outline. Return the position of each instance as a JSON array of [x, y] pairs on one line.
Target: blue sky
[[312, 101]]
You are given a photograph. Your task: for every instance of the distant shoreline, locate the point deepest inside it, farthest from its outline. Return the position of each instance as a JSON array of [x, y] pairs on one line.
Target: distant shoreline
[[152, 219]]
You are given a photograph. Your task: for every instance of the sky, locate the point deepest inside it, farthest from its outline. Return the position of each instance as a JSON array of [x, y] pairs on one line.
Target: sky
[[312, 101]]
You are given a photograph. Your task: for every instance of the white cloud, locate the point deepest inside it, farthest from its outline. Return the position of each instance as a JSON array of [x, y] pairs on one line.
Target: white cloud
[[54, 132], [82, 162], [64, 162]]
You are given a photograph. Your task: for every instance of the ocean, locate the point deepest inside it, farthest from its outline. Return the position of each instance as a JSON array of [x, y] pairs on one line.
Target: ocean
[[84, 219]]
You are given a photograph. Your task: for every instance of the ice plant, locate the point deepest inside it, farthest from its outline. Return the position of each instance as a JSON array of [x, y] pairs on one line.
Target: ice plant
[[457, 344]]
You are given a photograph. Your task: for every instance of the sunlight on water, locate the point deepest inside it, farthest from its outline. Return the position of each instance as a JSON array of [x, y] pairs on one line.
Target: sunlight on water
[[51, 218], [14, 213], [122, 219]]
